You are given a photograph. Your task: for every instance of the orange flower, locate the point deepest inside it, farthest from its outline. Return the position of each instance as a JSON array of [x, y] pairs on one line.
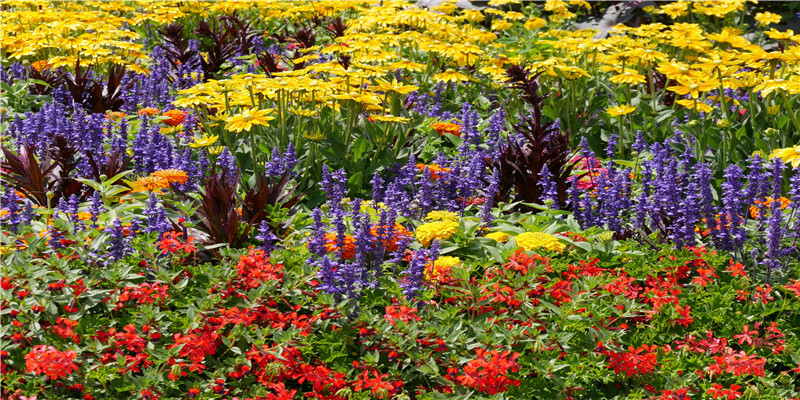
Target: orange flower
[[176, 117], [149, 183], [148, 111], [40, 65], [115, 115], [447, 127], [399, 231], [349, 251], [436, 170], [172, 175], [754, 211]]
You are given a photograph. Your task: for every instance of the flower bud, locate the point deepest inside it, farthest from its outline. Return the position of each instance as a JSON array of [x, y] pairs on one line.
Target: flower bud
[[770, 132], [773, 110], [723, 123]]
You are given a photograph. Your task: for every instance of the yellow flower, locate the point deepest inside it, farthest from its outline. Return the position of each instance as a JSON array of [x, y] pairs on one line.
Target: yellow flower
[[246, 120], [766, 18], [447, 216], [534, 24], [788, 155], [529, 241], [204, 142], [450, 76], [396, 87], [501, 25], [440, 230], [701, 107], [693, 86], [498, 236], [407, 65], [778, 35], [216, 150], [387, 118], [627, 77], [621, 110]]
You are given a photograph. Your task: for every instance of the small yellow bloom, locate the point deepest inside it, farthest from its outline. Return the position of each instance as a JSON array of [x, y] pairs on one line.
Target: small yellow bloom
[[246, 120], [621, 110], [450, 76], [534, 24], [204, 142], [387, 118]]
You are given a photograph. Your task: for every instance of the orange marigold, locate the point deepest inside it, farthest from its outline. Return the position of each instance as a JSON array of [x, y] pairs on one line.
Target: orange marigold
[[756, 213], [148, 111], [398, 233], [176, 117], [172, 175], [331, 245], [115, 115], [447, 127], [40, 65]]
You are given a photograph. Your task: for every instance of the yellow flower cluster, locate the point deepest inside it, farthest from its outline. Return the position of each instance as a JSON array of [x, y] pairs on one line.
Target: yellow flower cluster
[[437, 230], [530, 241]]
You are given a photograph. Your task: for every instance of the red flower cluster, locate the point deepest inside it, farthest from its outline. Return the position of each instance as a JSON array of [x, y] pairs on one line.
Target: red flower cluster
[[144, 293], [634, 361], [402, 313], [738, 363], [46, 360], [255, 268], [719, 391], [170, 243], [490, 375]]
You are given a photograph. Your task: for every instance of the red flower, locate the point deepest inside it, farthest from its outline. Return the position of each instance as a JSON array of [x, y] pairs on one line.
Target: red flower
[[170, 243], [719, 391], [490, 375], [634, 361], [46, 360]]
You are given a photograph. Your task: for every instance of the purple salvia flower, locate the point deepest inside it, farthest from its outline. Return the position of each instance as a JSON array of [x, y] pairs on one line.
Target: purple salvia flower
[[611, 146], [491, 192], [267, 238], [548, 186], [316, 243], [117, 242], [377, 187], [95, 208], [774, 235], [733, 234], [425, 193]]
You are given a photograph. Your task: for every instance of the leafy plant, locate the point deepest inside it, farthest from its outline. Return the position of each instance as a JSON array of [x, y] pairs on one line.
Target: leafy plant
[[54, 174], [94, 95], [219, 210], [521, 163]]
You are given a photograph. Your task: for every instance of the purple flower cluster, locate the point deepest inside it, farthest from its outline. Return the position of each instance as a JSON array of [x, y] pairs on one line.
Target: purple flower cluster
[[675, 199]]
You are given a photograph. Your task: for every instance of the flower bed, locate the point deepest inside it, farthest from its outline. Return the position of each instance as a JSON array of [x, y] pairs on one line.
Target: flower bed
[[348, 200]]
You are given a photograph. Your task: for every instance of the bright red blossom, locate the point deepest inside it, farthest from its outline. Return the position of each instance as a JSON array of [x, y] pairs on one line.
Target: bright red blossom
[[46, 360]]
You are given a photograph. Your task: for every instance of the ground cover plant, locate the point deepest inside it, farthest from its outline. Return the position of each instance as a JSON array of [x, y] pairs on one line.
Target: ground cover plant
[[387, 200]]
